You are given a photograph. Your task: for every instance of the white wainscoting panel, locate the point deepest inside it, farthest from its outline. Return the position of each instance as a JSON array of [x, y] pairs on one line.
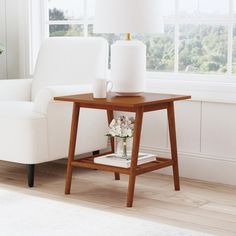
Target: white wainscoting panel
[[200, 167], [188, 125], [154, 130], [206, 140], [219, 129]]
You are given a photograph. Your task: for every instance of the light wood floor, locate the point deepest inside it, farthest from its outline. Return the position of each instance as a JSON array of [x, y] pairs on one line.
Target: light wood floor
[[200, 206]]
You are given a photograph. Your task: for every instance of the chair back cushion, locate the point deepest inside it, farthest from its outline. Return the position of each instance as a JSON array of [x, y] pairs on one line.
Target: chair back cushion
[[70, 61]]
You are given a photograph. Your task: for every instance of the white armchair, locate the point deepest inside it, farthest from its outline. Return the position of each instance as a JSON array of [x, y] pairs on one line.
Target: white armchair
[[35, 129]]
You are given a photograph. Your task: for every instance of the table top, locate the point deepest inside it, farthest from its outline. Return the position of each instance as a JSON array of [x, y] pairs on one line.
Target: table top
[[123, 101]]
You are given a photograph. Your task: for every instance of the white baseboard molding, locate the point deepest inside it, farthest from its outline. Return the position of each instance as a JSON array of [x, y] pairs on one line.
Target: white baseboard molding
[[200, 166]]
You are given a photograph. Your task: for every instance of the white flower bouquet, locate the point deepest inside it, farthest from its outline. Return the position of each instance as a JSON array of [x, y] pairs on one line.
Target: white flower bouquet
[[121, 127]]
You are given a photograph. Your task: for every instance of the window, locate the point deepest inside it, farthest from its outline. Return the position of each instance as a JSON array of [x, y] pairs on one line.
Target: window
[[65, 18], [199, 37], [203, 48]]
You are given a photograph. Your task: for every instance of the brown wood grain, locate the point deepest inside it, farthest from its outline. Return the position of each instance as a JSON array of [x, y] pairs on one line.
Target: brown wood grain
[[114, 100], [146, 103], [110, 117], [71, 155], [134, 158], [201, 206], [173, 144], [88, 162]]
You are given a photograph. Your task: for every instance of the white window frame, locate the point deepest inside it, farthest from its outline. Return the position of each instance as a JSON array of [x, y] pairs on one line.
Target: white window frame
[[85, 21], [228, 20]]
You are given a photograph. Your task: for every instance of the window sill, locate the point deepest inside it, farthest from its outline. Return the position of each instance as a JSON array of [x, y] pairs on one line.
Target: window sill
[[207, 88]]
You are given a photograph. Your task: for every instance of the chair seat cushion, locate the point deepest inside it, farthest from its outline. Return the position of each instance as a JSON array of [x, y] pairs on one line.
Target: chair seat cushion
[[23, 133]]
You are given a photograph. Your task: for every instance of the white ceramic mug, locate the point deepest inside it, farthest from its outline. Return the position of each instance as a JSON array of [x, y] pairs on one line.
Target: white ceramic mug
[[101, 88]]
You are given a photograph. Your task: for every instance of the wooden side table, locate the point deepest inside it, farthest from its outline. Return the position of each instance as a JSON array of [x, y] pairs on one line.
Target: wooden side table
[[146, 103]]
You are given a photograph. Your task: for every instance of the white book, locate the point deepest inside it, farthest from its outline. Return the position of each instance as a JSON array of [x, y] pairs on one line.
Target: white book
[[113, 160]]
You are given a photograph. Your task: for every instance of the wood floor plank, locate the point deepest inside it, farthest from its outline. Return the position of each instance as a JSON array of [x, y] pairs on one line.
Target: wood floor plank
[[202, 206]]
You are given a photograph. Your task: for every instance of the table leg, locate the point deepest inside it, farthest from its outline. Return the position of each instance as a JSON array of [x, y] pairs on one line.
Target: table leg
[[110, 117], [73, 135], [135, 151], [173, 143]]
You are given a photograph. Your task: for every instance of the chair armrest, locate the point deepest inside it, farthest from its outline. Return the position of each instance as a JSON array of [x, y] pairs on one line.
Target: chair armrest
[[15, 90], [46, 95]]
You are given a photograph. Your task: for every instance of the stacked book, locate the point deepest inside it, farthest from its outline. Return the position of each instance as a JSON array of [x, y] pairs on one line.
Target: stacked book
[[114, 160]]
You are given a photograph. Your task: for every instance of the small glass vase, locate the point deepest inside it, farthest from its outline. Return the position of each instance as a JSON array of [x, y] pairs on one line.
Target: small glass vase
[[123, 147]]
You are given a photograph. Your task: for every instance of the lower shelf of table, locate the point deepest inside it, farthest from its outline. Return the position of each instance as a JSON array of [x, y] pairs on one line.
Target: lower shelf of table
[[141, 169]]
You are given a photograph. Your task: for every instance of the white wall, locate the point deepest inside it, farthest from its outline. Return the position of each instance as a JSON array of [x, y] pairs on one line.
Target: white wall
[[3, 71], [206, 135], [13, 28]]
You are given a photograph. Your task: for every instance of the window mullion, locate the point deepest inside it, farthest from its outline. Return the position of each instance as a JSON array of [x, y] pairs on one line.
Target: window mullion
[[176, 66], [230, 40], [45, 18], [85, 19], [230, 49], [176, 41]]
